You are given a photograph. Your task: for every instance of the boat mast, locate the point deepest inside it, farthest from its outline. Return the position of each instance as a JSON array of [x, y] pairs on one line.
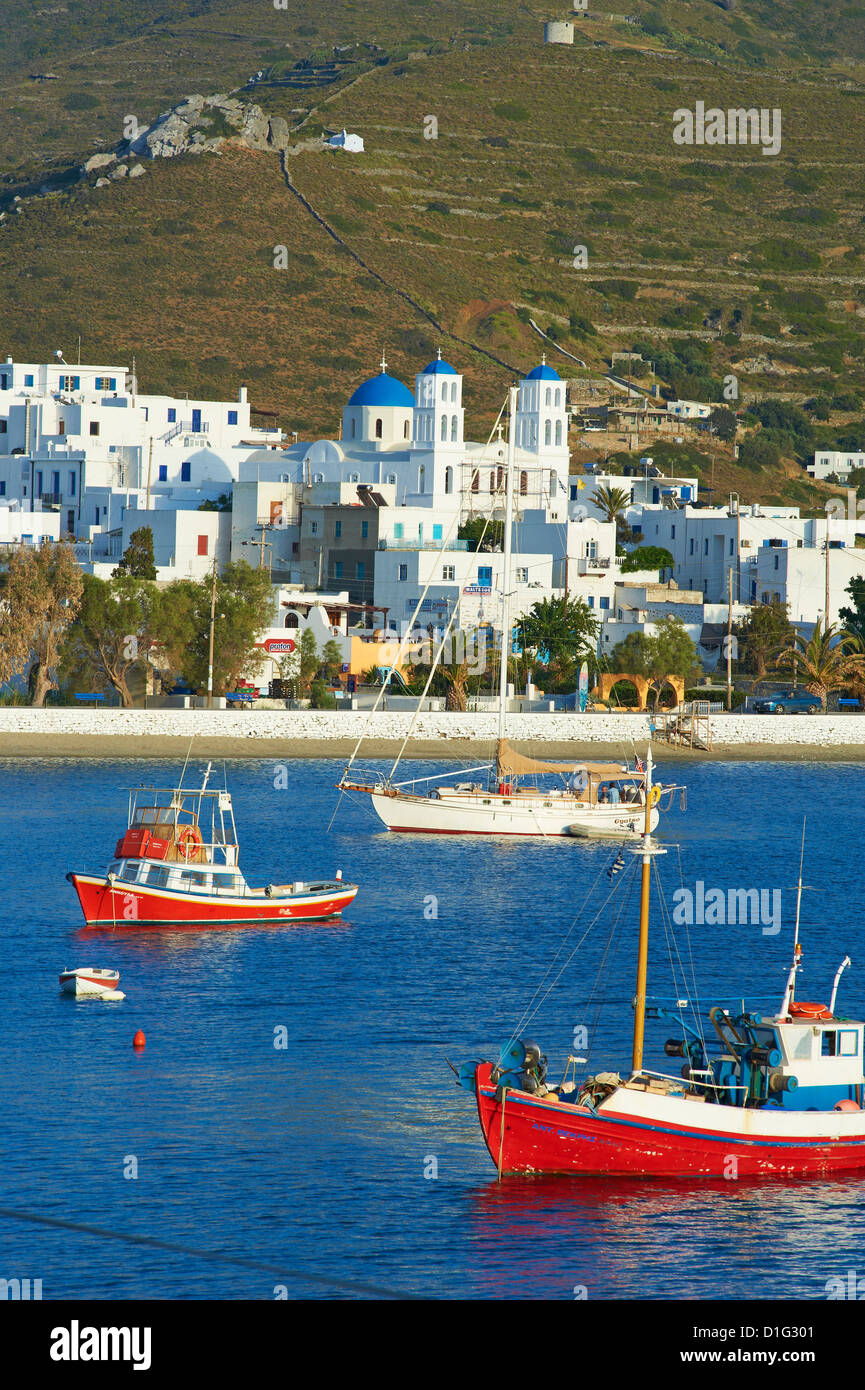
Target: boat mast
[[647, 852], [506, 562], [797, 949]]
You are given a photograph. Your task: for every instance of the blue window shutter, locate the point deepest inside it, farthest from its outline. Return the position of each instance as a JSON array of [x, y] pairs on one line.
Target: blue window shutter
[[163, 472], [172, 415], [185, 471], [232, 417], [76, 383], [112, 383], [437, 533]]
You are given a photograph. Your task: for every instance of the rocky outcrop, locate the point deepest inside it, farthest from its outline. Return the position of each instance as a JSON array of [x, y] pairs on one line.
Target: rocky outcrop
[[198, 125]]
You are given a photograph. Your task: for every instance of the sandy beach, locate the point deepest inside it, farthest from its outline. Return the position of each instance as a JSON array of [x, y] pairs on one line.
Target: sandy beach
[[172, 749]]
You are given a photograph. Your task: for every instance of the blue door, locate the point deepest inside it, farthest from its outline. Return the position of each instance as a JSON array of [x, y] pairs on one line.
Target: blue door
[[196, 422]]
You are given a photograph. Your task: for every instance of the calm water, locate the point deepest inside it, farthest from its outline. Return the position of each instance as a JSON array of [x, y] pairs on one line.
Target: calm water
[[312, 1159]]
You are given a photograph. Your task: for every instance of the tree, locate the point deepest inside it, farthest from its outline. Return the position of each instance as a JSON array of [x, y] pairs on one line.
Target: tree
[[41, 595], [668, 651], [114, 630], [138, 556], [308, 660], [765, 632], [612, 501], [244, 607], [830, 659], [564, 628], [723, 423], [854, 618], [331, 658], [492, 531], [648, 557]]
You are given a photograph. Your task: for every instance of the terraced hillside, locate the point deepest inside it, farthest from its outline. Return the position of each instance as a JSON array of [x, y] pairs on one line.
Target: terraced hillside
[[552, 201]]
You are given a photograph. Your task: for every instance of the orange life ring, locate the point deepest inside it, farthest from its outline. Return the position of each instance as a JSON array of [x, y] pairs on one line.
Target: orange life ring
[[800, 1009], [189, 842]]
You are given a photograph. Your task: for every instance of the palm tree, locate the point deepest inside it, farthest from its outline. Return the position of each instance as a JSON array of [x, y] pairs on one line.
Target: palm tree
[[830, 659], [612, 501]]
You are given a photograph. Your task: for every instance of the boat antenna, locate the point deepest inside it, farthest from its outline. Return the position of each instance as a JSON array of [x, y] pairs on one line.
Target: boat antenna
[[646, 851], [797, 949], [506, 564], [185, 763]]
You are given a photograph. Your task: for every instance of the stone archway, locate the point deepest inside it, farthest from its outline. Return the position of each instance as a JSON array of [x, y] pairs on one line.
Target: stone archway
[[608, 680]]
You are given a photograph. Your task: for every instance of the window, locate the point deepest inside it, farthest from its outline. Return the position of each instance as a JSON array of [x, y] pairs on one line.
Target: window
[[185, 471], [558, 431], [449, 572], [163, 472], [406, 430], [706, 546], [732, 545], [777, 563], [421, 474], [378, 429], [492, 481], [397, 531], [558, 396], [691, 551], [337, 530], [172, 415], [591, 600], [104, 383], [403, 572], [71, 488], [672, 533], [848, 1042], [361, 569], [2, 487], [55, 483], [449, 479], [554, 484], [61, 426], [354, 477], [391, 477], [548, 433], [437, 532], [444, 433], [94, 426], [28, 379], [548, 397], [453, 429], [605, 602], [202, 545], [830, 1042], [39, 486], [485, 576], [232, 417], [524, 483], [313, 528], [3, 426], [522, 576], [353, 427], [364, 530], [70, 383], [337, 569]]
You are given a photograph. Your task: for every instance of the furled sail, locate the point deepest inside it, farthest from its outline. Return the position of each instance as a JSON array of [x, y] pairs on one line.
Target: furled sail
[[510, 763]]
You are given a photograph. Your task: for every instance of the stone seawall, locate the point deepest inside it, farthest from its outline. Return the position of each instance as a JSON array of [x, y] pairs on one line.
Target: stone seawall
[[117, 732]]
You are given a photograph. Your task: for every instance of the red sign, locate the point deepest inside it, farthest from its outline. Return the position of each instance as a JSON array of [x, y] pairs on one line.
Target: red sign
[[278, 644]]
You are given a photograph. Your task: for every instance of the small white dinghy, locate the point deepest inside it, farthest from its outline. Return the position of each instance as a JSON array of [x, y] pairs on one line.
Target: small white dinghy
[[88, 982]]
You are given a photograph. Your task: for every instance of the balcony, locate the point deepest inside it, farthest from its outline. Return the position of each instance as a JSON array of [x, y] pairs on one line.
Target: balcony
[[391, 543]]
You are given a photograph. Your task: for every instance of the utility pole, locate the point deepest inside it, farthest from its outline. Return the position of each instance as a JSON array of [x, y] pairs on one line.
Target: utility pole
[[149, 470], [210, 651], [826, 597], [729, 637]]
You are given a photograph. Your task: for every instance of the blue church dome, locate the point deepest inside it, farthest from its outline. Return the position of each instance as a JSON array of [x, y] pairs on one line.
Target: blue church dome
[[439, 368], [383, 390], [543, 373]]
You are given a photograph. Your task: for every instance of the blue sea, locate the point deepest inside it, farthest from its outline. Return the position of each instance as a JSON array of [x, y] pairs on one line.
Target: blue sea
[[214, 1164]]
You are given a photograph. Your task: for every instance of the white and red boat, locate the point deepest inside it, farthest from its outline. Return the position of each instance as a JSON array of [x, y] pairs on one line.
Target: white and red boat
[[177, 864], [760, 1093], [91, 982]]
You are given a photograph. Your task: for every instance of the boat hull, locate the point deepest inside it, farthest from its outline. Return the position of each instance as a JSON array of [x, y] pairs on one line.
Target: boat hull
[[89, 985], [135, 905], [491, 814], [635, 1135]]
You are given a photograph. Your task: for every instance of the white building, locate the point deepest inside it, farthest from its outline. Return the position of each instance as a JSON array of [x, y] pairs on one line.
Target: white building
[[84, 441], [19, 527], [797, 576], [835, 463], [640, 606], [690, 410], [345, 140], [706, 543], [646, 489]]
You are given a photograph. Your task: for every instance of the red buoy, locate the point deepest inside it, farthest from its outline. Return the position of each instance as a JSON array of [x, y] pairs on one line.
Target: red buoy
[[139, 1040]]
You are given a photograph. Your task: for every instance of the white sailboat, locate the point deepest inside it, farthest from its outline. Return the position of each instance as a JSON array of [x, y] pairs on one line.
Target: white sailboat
[[589, 799]]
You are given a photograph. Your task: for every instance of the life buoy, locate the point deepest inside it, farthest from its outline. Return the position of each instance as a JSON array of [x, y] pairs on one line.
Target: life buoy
[[189, 842], [654, 796], [799, 1008]]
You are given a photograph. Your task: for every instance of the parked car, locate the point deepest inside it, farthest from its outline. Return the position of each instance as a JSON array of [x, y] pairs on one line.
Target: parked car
[[790, 702]]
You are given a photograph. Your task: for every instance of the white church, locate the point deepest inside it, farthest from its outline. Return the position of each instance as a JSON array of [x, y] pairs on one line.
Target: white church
[[416, 443]]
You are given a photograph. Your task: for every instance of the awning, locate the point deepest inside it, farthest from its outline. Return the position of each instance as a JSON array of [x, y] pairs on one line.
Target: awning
[[712, 634], [509, 761]]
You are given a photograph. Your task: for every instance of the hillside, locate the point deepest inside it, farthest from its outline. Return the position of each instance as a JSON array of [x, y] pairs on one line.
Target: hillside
[[715, 260]]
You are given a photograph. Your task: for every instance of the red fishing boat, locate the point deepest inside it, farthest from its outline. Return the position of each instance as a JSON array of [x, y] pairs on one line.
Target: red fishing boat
[[760, 1092], [177, 864]]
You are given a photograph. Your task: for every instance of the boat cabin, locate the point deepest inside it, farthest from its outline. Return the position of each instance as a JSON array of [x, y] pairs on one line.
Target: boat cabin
[[799, 1063], [174, 825]]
